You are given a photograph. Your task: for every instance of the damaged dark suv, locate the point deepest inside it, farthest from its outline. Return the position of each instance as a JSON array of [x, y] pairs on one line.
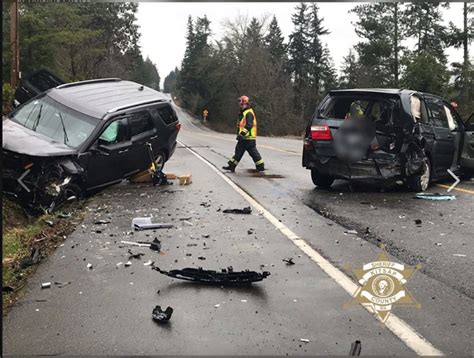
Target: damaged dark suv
[[79, 137], [381, 136]]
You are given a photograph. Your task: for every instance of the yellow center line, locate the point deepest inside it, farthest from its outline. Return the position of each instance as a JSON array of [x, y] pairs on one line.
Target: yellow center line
[[260, 145], [458, 189]]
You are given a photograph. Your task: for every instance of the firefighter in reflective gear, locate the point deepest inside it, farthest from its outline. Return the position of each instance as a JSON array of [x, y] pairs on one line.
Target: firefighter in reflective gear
[[246, 137]]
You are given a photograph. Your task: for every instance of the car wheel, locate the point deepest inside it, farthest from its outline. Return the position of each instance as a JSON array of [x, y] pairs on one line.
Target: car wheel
[[160, 161], [421, 182], [321, 180], [71, 193]]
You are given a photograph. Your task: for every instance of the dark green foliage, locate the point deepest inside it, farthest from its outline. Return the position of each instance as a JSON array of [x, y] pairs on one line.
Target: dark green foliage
[[80, 41]]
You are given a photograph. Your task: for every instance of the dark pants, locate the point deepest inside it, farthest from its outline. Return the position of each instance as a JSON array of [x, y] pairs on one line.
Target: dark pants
[[251, 147]]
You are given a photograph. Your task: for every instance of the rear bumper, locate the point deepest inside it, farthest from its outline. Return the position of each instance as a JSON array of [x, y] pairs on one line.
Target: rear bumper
[[380, 167]]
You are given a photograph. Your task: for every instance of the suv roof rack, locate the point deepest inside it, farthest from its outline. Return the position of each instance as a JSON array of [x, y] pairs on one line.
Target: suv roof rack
[[119, 108], [80, 83]]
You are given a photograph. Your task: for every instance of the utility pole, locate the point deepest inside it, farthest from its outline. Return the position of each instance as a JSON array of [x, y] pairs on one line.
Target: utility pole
[[14, 44]]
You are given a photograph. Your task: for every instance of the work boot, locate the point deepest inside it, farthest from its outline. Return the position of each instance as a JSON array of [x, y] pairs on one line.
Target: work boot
[[260, 167], [229, 167]]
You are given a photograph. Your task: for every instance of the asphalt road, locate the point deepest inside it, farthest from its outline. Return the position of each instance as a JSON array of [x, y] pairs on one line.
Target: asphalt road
[[107, 310]]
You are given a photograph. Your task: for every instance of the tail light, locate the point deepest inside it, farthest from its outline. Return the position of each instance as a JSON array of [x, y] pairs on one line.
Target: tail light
[[178, 126], [321, 132]]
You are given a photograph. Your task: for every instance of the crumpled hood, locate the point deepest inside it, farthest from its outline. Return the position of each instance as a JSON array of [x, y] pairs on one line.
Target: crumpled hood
[[19, 139]]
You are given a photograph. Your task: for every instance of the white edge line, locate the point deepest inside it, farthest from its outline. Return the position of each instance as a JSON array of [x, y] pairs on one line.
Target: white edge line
[[397, 326]]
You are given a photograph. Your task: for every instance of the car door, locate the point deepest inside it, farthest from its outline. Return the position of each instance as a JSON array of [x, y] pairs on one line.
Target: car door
[[142, 131], [457, 129], [467, 155], [110, 155], [443, 150]]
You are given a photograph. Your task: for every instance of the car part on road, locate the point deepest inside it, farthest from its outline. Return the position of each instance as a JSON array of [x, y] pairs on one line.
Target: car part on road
[[146, 224], [225, 277], [35, 257], [289, 261], [434, 196], [161, 316], [355, 348], [135, 256], [246, 210], [46, 285], [155, 245], [102, 222]]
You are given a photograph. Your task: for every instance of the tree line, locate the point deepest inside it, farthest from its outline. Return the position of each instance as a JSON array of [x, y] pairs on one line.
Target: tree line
[[79, 41], [286, 80]]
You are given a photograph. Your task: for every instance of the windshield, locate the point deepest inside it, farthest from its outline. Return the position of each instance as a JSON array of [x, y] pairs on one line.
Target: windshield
[[58, 122]]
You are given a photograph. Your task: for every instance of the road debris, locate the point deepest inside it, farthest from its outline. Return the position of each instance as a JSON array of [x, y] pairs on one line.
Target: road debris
[[201, 258], [161, 316], [305, 340], [188, 223], [217, 306], [225, 277], [35, 257], [459, 255], [185, 179], [350, 232], [149, 263], [246, 210], [434, 196], [102, 222], [418, 222], [289, 261], [355, 348], [146, 224], [89, 266], [128, 263], [135, 256], [46, 285]]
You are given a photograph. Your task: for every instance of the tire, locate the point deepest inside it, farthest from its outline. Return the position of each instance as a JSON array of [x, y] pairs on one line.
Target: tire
[[421, 182], [321, 180], [71, 193], [160, 161]]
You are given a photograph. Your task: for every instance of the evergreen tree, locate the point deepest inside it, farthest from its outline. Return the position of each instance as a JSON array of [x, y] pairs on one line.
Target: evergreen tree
[[169, 84], [379, 26], [350, 71], [274, 41], [298, 51]]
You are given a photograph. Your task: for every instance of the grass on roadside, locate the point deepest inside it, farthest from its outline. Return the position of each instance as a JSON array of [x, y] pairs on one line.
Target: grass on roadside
[[21, 234]]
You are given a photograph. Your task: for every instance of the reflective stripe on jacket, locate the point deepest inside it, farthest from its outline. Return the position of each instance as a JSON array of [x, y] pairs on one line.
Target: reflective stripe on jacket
[[248, 124]]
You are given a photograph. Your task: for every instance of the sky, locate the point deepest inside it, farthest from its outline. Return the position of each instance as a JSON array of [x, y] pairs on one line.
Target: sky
[[163, 26]]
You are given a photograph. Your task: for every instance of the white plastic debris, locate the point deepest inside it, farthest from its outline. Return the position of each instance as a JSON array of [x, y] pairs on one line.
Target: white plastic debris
[[120, 263], [89, 266], [217, 306], [459, 255], [46, 285], [305, 340], [350, 232], [243, 301], [128, 263], [148, 263]]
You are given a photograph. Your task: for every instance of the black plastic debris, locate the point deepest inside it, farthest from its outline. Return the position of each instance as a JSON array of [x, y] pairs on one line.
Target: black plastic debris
[[246, 210], [225, 277], [355, 348], [7, 289], [201, 258], [289, 261], [161, 316], [418, 222], [250, 231], [35, 257], [204, 204], [135, 256], [146, 224]]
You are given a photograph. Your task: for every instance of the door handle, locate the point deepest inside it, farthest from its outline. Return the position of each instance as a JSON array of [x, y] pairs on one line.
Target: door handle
[[123, 151]]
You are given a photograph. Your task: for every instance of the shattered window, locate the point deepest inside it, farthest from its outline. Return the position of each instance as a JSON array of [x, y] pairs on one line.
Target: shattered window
[[115, 132], [167, 114], [350, 107], [53, 120], [437, 113]]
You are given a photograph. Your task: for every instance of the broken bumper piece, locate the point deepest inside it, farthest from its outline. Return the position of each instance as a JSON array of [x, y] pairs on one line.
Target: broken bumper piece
[[225, 277]]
